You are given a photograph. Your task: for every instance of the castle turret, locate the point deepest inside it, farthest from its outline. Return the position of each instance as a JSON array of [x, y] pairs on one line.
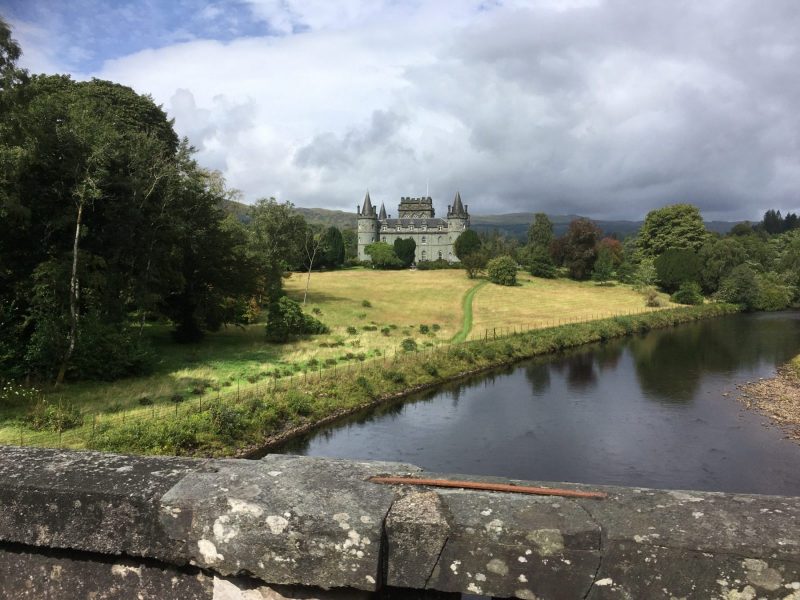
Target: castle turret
[[367, 227], [457, 223], [382, 213]]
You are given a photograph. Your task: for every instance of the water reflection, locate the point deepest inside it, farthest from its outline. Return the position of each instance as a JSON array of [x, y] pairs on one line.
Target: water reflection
[[651, 411]]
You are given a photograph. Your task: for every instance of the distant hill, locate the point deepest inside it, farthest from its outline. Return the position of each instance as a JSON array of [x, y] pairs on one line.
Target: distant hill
[[510, 224]]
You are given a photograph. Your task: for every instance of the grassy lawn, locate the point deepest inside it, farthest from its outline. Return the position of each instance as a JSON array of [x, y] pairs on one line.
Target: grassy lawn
[[384, 307], [536, 303]]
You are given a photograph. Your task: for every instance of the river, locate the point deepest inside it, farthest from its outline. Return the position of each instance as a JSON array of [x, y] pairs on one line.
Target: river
[[657, 410]]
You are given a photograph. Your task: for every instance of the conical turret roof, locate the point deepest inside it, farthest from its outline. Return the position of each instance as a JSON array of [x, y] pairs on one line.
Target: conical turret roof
[[382, 214], [458, 207], [367, 209]]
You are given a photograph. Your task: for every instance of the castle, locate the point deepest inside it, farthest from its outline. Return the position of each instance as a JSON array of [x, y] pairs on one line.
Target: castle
[[416, 220]]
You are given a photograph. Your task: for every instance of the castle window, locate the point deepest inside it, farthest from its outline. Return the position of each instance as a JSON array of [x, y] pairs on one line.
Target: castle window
[[384, 239], [423, 255], [424, 240], [440, 255]]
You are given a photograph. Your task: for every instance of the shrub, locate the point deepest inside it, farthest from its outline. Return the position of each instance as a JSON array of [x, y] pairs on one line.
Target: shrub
[[370, 328], [773, 293], [740, 287], [316, 310], [351, 330], [313, 362], [386, 331], [394, 377], [17, 394], [54, 417], [431, 369], [299, 403], [226, 421], [366, 304], [408, 345], [651, 298], [424, 329], [286, 319], [330, 361], [145, 401], [436, 327], [688, 293], [502, 270]]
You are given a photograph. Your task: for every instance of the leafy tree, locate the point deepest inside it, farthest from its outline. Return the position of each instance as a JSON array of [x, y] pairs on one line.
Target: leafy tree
[[745, 228], [773, 292], [333, 249], [502, 270], [773, 222], [383, 256], [604, 265], [675, 267], [350, 238], [540, 233], [467, 243], [405, 248], [677, 226], [474, 263], [717, 258], [645, 274], [277, 238], [740, 286], [10, 52], [614, 248], [580, 247], [287, 319]]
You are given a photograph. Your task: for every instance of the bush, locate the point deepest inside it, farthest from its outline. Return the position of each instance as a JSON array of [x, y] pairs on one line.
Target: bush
[[366, 304], [651, 298], [424, 329], [408, 345], [299, 403], [395, 377], [226, 421], [688, 293], [502, 270], [773, 293], [386, 331], [54, 417], [286, 319], [370, 328], [439, 263], [352, 330], [436, 327], [740, 287]]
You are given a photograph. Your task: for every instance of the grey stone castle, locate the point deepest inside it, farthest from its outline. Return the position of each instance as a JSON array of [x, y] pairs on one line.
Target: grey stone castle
[[416, 220]]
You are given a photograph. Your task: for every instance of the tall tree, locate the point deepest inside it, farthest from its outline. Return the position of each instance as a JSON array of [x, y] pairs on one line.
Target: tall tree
[[467, 243], [677, 226], [540, 233], [580, 247], [405, 248]]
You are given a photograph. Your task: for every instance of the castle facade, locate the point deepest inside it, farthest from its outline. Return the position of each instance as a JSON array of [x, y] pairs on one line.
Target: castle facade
[[416, 219]]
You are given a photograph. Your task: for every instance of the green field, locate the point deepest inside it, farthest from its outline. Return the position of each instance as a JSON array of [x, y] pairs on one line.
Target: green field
[[239, 360]]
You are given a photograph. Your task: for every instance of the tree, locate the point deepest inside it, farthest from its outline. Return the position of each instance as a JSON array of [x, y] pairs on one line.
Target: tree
[[717, 258], [474, 263], [773, 222], [467, 243], [502, 270], [614, 248], [604, 265], [740, 286], [405, 248], [333, 249], [676, 267], [541, 265], [350, 238], [677, 226], [580, 247], [382, 256], [540, 233], [10, 52], [277, 238], [312, 244]]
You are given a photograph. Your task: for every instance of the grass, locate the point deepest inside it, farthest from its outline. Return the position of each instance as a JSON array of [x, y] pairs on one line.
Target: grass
[[536, 303], [369, 312]]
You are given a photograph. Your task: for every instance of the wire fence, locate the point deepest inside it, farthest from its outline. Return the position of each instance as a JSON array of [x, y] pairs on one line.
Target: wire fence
[[79, 428]]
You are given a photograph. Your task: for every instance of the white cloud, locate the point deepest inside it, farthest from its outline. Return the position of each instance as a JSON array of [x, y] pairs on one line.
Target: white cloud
[[603, 108]]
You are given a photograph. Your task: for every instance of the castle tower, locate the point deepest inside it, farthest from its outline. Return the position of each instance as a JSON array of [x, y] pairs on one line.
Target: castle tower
[[367, 226], [457, 223]]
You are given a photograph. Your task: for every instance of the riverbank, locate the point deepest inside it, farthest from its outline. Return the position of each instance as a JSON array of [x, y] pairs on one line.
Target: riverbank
[[777, 397], [260, 420]]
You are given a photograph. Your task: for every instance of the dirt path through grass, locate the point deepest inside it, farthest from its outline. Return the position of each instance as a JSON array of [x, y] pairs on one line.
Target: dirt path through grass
[[466, 305]]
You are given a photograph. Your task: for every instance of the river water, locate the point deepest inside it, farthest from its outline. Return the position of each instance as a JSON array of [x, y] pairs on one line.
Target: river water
[[658, 410]]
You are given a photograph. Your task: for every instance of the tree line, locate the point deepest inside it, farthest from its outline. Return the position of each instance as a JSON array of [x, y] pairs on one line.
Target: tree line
[[754, 265], [107, 223]]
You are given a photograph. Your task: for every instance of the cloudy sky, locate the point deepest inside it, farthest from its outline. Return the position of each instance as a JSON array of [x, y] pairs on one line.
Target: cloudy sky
[[602, 108]]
